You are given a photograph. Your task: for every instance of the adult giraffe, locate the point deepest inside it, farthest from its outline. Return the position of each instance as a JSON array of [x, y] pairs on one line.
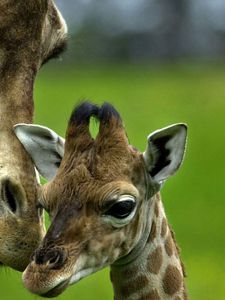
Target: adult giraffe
[[106, 208], [31, 31]]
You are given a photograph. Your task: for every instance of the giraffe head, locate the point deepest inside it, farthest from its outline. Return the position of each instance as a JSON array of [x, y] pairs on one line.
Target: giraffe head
[[31, 31], [99, 198]]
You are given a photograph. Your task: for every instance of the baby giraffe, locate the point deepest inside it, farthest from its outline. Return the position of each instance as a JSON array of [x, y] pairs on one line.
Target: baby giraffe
[[105, 207]]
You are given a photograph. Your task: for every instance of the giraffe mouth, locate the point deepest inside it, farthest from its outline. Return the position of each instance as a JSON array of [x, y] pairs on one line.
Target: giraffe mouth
[[57, 290]]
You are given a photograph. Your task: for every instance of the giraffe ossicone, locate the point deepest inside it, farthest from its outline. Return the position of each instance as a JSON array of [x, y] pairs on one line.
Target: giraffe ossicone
[[105, 206]]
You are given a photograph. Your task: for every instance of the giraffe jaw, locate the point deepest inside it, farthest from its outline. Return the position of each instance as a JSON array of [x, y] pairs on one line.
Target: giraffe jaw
[[83, 273]]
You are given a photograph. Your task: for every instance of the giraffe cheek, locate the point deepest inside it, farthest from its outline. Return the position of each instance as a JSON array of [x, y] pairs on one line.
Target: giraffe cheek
[[101, 251], [116, 254]]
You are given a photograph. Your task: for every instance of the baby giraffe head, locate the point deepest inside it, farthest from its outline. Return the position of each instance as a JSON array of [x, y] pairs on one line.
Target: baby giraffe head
[[99, 196]]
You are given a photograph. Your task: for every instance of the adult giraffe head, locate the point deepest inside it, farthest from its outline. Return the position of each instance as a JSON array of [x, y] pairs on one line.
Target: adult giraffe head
[[101, 200], [31, 31]]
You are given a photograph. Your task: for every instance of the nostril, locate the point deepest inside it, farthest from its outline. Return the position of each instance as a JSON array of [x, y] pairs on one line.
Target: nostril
[[9, 197], [38, 257], [56, 259], [52, 258]]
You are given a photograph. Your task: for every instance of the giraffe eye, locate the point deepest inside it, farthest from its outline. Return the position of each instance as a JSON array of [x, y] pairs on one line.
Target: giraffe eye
[[122, 208]]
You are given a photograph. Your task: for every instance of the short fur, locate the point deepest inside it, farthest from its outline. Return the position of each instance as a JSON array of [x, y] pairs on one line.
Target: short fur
[[26, 29], [83, 237]]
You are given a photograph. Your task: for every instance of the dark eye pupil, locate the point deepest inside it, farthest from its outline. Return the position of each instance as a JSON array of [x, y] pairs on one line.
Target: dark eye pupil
[[121, 209]]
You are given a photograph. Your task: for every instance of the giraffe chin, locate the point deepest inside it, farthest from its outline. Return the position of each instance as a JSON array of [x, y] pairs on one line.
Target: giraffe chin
[[43, 283], [57, 290]]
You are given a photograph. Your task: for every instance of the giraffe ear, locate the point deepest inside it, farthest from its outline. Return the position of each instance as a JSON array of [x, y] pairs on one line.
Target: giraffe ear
[[165, 151], [44, 146]]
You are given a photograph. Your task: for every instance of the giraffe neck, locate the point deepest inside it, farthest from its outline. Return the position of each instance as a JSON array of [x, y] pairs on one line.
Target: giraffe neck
[[16, 94], [20, 43], [155, 271]]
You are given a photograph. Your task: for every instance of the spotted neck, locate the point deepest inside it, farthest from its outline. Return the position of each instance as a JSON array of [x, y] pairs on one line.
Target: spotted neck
[[156, 272]]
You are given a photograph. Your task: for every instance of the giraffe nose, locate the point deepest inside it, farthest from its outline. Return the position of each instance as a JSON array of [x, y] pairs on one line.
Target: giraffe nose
[[51, 258], [12, 195]]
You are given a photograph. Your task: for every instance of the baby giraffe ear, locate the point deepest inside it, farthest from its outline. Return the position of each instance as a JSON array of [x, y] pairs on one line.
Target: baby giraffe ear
[[44, 146], [165, 151]]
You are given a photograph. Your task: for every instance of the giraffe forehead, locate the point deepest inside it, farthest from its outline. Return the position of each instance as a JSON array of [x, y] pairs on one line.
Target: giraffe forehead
[[79, 188], [90, 179], [102, 161], [89, 190]]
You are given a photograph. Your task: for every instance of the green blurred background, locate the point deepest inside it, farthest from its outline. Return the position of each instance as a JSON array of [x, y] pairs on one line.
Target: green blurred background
[[148, 97], [159, 62]]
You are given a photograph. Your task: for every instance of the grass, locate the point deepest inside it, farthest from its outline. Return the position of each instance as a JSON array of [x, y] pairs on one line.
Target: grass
[[150, 97]]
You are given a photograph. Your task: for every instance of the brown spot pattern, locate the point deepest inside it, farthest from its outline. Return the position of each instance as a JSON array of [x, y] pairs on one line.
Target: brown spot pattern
[[163, 227], [177, 298], [172, 280], [152, 234], [134, 286], [155, 260], [153, 295], [169, 245], [131, 272]]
